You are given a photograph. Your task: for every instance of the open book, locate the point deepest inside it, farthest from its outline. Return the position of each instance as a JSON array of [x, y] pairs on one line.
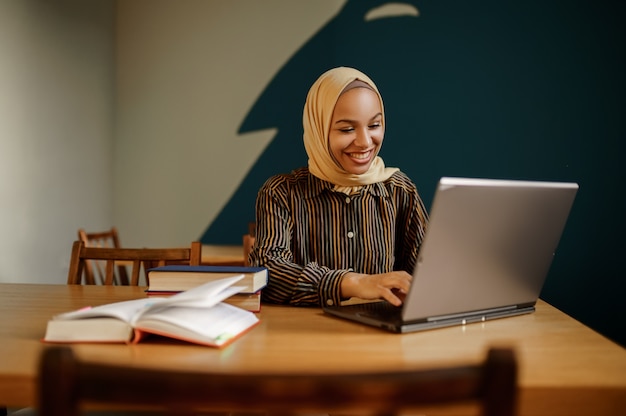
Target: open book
[[197, 315]]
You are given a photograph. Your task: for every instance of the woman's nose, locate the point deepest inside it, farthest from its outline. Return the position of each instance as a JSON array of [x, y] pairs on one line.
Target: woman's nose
[[363, 138]]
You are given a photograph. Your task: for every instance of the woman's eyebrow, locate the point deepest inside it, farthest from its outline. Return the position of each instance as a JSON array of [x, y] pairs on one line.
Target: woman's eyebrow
[[346, 120]]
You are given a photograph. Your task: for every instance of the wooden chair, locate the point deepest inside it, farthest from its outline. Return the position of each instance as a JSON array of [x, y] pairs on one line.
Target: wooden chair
[[108, 238], [248, 242], [139, 258], [66, 384]]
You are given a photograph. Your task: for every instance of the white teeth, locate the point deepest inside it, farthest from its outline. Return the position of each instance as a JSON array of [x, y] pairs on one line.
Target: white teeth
[[359, 155]]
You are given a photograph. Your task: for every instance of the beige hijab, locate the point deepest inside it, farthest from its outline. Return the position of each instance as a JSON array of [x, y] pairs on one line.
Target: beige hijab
[[316, 119]]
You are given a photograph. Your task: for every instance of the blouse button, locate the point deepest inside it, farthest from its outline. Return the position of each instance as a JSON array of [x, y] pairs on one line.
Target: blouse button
[[350, 234], [347, 200], [329, 302]]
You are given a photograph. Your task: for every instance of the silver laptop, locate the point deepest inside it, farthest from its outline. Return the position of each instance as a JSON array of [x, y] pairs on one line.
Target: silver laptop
[[486, 254]]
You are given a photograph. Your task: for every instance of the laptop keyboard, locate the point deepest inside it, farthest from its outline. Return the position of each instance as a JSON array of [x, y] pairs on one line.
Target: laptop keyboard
[[378, 309]]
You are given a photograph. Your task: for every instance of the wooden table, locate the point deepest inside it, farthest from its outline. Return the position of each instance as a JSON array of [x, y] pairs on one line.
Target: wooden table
[[565, 367], [222, 255]]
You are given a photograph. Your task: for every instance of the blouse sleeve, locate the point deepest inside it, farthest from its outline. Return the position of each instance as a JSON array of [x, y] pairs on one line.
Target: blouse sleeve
[[290, 283]]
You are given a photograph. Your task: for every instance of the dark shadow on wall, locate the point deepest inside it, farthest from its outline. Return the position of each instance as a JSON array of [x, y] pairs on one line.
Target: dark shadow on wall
[[515, 89]]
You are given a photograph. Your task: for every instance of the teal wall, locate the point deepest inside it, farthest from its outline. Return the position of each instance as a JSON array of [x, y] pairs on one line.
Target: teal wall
[[500, 89]]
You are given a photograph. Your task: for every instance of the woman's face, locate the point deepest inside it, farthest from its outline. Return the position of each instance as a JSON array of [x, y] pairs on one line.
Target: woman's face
[[356, 130]]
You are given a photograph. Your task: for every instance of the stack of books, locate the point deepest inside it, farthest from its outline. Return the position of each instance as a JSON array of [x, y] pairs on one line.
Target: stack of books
[[168, 280]]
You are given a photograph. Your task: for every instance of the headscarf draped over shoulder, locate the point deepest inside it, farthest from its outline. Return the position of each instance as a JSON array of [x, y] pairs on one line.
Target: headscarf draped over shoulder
[[316, 119]]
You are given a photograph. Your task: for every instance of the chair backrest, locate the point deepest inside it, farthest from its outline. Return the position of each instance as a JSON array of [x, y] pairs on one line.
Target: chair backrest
[[66, 383], [136, 258], [108, 238]]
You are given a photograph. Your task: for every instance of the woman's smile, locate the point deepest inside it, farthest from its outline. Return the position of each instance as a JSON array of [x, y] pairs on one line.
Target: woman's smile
[[360, 157]]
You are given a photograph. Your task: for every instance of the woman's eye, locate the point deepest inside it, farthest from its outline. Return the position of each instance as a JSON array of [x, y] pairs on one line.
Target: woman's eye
[[374, 126], [346, 130]]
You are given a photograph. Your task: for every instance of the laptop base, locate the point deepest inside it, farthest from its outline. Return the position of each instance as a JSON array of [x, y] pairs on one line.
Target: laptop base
[[393, 321]]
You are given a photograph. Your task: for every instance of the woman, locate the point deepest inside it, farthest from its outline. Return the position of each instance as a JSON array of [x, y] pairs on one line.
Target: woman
[[345, 226]]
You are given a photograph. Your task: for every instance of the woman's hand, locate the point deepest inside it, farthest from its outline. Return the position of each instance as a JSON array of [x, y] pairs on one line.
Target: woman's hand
[[391, 286]]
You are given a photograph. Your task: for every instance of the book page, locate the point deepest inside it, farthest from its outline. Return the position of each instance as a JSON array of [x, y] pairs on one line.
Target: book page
[[121, 310], [205, 296], [215, 325]]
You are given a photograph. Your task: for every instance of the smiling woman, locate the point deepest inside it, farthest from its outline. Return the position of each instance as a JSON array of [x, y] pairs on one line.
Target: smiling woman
[[346, 225]]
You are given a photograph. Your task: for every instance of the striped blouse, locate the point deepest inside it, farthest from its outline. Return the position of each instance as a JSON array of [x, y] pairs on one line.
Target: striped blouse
[[309, 236]]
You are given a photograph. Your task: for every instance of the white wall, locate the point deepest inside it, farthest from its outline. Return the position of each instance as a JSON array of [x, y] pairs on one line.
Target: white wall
[[126, 113], [56, 97], [188, 72]]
